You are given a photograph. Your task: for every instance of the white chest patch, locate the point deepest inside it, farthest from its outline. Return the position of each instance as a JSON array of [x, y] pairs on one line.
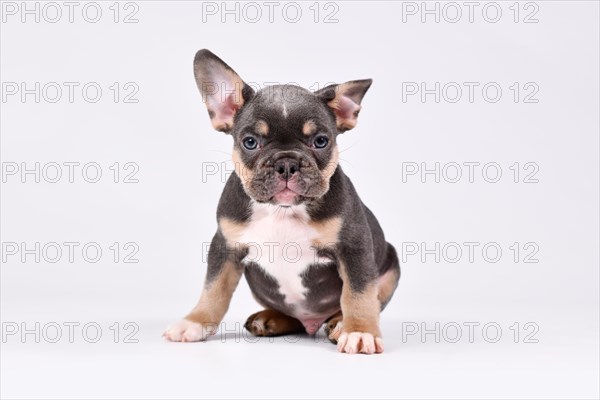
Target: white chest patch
[[279, 240]]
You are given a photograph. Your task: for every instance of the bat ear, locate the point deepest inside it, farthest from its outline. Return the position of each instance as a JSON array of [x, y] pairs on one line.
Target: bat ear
[[223, 91], [344, 99]]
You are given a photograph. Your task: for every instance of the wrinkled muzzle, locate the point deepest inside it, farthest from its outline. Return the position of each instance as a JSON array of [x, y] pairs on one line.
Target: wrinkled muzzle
[[285, 177]]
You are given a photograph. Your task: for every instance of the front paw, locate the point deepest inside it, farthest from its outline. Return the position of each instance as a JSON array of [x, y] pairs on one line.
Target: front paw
[[186, 331], [359, 342]]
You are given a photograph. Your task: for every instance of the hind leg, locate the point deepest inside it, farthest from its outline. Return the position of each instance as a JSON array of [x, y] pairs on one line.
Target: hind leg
[[387, 284], [333, 327], [272, 323], [388, 281]]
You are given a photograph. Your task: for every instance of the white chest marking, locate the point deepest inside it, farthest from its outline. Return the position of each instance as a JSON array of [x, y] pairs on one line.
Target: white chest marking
[[280, 240]]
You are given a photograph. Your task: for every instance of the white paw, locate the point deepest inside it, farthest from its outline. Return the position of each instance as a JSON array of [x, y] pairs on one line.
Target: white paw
[[186, 331], [359, 342]]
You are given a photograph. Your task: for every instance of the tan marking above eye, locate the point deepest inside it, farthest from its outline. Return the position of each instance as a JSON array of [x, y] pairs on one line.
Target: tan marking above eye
[[309, 127], [262, 128]]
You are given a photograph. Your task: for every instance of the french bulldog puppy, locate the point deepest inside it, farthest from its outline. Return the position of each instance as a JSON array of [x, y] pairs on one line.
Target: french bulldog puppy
[[289, 219]]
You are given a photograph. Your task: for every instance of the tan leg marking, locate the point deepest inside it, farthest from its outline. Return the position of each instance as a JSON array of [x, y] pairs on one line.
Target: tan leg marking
[[360, 330], [214, 301], [216, 295], [272, 323]]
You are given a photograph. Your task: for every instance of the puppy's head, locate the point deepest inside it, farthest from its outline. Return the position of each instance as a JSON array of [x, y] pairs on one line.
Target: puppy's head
[[284, 136]]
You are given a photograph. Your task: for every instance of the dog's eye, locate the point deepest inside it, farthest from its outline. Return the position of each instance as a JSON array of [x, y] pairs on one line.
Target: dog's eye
[[321, 141], [250, 143]]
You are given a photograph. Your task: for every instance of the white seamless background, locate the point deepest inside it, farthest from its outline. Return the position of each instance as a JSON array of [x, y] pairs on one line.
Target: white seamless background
[[166, 218]]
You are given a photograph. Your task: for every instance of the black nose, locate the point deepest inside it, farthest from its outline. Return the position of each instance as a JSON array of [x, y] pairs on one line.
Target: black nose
[[286, 167]]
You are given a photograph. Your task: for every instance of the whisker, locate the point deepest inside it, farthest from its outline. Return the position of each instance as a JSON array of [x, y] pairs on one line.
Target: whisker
[[349, 147], [347, 162], [221, 151]]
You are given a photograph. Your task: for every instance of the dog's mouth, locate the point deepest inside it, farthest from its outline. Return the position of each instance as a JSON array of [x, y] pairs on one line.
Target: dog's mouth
[[286, 197]]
